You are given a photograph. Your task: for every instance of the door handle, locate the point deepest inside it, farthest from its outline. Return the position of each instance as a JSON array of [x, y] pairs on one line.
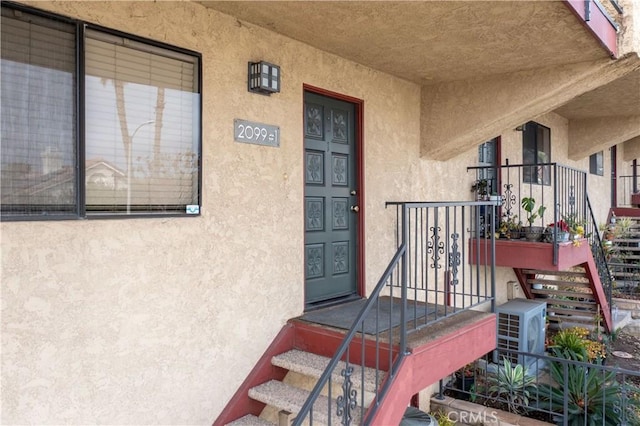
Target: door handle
[[355, 209]]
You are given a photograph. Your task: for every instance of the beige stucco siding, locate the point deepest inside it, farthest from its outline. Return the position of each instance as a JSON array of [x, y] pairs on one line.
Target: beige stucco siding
[[157, 321]]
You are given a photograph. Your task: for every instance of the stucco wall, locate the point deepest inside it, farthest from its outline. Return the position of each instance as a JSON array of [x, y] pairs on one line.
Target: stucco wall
[[630, 39], [157, 321]]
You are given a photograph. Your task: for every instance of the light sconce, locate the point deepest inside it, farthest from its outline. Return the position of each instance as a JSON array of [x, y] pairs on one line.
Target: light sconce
[[521, 128], [264, 78]]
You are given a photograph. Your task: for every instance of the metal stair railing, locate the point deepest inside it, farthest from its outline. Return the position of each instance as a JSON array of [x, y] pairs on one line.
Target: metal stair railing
[[429, 278], [599, 255], [348, 400]]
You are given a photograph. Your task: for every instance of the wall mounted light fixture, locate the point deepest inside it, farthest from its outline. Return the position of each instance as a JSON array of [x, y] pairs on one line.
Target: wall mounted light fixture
[[264, 78], [521, 128]]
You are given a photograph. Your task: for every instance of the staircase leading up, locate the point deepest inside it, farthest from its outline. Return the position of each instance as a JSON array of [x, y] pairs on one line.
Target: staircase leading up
[[624, 253], [573, 284], [289, 395], [276, 390], [570, 299]]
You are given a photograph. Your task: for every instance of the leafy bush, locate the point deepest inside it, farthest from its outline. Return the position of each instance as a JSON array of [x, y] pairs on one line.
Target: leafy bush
[[513, 384], [594, 397], [596, 351], [568, 343], [574, 343]]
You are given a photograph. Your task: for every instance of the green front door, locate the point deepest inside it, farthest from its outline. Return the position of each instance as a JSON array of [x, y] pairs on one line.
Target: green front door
[[330, 197]]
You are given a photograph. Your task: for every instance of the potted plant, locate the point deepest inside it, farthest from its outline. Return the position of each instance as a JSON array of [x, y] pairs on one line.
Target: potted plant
[[480, 187], [575, 225], [510, 227], [561, 228], [532, 233], [465, 381]]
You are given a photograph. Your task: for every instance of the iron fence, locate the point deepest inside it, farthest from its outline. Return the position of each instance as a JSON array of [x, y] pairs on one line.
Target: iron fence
[[553, 389]]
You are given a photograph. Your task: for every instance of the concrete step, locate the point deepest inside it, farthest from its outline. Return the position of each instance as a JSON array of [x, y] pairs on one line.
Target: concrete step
[[577, 294], [621, 318], [620, 274], [555, 273], [559, 283], [587, 304], [571, 320], [586, 313], [631, 248], [626, 257], [289, 398], [250, 420], [314, 365]]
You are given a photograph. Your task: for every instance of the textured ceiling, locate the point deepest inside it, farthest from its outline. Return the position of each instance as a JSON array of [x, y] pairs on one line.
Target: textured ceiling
[[618, 98], [433, 41], [437, 41]]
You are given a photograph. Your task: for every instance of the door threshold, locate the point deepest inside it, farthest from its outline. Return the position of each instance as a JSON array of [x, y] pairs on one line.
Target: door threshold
[[331, 302]]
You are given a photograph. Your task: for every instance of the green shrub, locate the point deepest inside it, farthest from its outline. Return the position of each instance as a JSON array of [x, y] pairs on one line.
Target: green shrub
[[569, 341], [574, 343], [513, 384], [594, 397]]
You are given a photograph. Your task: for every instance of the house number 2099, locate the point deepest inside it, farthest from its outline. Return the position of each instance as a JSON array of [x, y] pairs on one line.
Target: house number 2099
[[256, 133]]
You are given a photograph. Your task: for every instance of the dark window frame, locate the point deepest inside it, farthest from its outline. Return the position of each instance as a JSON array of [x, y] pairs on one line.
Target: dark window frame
[[80, 210], [596, 163], [536, 154]]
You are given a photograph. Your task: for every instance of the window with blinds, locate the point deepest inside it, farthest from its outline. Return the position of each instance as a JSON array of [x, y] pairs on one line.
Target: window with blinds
[[141, 121], [38, 148], [141, 126]]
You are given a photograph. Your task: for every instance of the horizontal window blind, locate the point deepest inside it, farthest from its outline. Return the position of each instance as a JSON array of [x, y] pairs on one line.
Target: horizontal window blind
[[38, 151], [142, 121]]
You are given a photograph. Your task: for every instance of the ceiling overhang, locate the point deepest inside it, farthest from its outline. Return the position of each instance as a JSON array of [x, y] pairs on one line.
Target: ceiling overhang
[[621, 97], [429, 42], [435, 42]]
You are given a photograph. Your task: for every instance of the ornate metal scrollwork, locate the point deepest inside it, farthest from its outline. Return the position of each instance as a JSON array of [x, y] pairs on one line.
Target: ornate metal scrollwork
[[508, 199], [349, 398], [621, 406], [435, 247], [572, 198], [454, 258]]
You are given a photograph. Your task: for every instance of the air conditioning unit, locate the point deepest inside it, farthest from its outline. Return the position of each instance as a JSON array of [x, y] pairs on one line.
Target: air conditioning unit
[[521, 327]]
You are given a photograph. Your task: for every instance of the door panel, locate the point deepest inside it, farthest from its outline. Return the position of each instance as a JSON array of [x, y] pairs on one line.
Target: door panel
[[330, 194]]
